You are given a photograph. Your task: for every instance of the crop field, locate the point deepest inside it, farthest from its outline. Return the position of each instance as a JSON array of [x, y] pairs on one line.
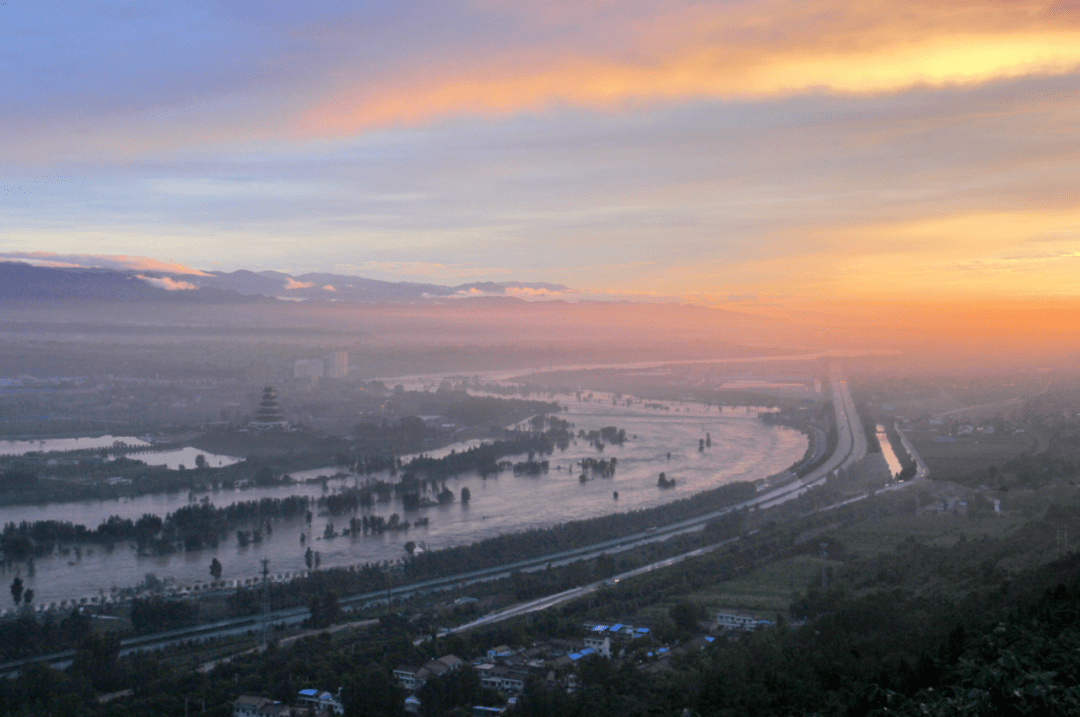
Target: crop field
[[970, 456], [869, 538], [766, 591]]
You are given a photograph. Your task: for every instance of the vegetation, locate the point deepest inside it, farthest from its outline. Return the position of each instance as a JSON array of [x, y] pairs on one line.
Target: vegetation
[[191, 527], [916, 629]]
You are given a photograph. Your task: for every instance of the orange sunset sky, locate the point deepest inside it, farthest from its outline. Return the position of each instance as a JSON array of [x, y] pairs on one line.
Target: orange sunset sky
[[760, 154]]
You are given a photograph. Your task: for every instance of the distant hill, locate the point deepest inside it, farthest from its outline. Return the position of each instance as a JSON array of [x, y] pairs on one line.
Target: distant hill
[[20, 282], [24, 282]]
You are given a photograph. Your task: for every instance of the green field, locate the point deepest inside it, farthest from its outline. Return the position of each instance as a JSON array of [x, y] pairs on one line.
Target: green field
[[970, 457], [869, 538], [769, 589], [765, 591]]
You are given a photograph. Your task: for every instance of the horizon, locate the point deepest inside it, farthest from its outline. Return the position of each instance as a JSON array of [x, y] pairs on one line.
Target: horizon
[[747, 154]]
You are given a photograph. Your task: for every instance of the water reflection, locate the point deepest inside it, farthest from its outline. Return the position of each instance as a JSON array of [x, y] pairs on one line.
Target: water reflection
[[19, 448], [743, 448]]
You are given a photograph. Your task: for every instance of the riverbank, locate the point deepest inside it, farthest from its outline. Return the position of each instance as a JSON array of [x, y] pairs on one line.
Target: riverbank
[[743, 449]]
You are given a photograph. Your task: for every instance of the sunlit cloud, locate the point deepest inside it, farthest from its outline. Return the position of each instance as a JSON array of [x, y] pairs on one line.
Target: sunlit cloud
[[1022, 252], [291, 283], [93, 261], [675, 52], [168, 284], [492, 60], [534, 294], [735, 154]]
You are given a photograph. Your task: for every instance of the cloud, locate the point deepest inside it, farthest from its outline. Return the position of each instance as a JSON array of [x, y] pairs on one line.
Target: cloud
[[371, 67], [429, 271], [608, 58], [94, 261], [291, 283], [168, 284], [328, 287], [534, 294]]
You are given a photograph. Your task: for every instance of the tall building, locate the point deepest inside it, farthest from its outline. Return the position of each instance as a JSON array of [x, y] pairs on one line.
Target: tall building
[[337, 364], [268, 415]]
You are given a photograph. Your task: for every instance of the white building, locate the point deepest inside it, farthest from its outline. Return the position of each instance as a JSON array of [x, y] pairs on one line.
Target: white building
[[736, 620], [323, 702], [411, 678], [249, 705], [601, 644], [337, 364], [504, 679], [252, 706]]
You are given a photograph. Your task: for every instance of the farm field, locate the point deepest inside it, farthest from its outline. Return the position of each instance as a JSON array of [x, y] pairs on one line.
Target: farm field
[[970, 456], [765, 591]]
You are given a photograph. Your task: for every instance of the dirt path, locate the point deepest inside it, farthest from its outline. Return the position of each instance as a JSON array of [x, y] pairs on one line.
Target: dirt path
[[285, 641]]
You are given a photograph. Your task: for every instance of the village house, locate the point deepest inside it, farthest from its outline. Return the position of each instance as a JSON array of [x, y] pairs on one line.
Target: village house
[[253, 706], [736, 620], [321, 702], [411, 678]]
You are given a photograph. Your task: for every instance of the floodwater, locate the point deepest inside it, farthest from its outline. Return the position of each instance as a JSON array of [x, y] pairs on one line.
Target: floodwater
[[169, 458], [19, 448], [182, 457], [743, 448]]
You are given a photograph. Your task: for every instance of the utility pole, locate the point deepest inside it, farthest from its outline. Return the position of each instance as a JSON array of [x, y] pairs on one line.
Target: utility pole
[[265, 600], [824, 565]]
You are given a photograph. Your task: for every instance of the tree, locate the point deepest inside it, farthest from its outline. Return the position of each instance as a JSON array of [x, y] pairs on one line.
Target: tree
[[309, 558], [412, 426], [685, 616], [324, 611], [98, 658], [215, 569], [410, 547], [373, 691], [466, 495], [200, 461], [17, 589], [28, 597], [457, 688], [16, 480]]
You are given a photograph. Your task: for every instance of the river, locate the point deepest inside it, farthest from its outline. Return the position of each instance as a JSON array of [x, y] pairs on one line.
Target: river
[[743, 448]]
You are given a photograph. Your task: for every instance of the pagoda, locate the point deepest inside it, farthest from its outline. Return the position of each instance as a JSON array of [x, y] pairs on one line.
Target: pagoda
[[269, 415]]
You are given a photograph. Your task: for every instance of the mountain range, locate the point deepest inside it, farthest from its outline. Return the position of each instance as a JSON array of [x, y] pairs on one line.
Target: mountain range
[[22, 281]]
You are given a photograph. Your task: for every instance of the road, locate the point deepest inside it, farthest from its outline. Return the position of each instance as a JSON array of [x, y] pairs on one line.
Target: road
[[851, 446], [921, 470], [574, 593]]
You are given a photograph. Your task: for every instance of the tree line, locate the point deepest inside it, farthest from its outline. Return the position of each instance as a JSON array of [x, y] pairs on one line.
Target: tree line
[[190, 527]]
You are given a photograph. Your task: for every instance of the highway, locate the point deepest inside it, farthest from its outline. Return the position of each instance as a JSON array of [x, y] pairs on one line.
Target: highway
[[574, 593], [851, 446]]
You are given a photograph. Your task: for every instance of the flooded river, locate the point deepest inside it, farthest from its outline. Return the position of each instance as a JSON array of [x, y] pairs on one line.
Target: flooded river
[[743, 448]]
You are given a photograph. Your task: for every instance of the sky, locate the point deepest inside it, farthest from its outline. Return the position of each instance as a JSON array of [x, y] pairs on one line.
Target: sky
[[710, 152]]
